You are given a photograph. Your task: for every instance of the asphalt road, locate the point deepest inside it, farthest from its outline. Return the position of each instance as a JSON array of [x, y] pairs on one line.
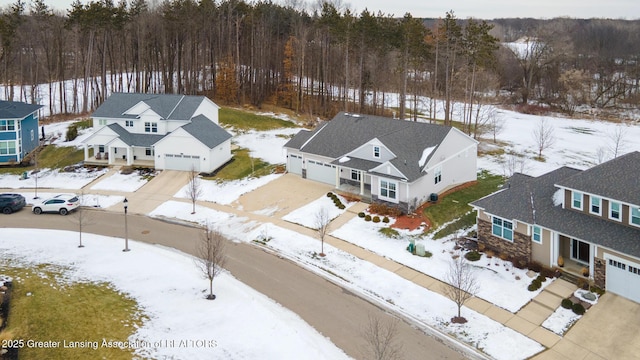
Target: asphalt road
[[335, 312]]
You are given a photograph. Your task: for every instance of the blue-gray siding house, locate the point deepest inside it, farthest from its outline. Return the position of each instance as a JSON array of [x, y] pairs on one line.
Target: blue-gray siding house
[[18, 130]]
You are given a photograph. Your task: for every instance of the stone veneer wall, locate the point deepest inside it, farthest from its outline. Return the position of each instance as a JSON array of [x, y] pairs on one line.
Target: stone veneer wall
[[520, 248], [401, 205], [600, 272]]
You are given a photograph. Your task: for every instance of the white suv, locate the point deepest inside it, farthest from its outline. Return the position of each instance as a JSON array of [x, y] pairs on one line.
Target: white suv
[[61, 204]]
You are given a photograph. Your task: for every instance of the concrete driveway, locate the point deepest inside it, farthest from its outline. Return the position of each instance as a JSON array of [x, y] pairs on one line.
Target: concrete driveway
[[609, 330], [157, 191], [283, 195]]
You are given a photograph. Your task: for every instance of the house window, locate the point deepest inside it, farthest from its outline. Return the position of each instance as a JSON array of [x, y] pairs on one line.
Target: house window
[[388, 189], [355, 175], [594, 206], [502, 228], [128, 123], [102, 122], [151, 127], [7, 125], [635, 216], [101, 148], [576, 202], [537, 234], [614, 211], [438, 175], [7, 147], [617, 264], [147, 151], [376, 151]]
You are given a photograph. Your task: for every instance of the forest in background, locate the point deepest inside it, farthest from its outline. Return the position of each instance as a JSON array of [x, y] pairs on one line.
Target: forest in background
[[315, 59]]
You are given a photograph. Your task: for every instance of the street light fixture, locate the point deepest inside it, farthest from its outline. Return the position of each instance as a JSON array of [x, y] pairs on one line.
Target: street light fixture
[[126, 230]]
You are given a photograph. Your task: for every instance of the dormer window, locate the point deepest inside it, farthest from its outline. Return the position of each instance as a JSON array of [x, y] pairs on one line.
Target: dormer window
[[376, 152], [594, 206], [634, 215], [151, 127], [576, 200], [614, 211]]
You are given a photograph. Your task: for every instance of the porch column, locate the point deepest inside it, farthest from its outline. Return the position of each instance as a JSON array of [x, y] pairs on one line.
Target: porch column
[[86, 152], [338, 169], [361, 182], [129, 157], [111, 157]]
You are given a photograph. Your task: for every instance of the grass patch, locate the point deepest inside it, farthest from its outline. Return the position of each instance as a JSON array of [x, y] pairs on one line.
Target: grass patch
[[50, 157], [466, 221], [44, 307], [455, 205], [242, 120], [389, 232], [242, 166]]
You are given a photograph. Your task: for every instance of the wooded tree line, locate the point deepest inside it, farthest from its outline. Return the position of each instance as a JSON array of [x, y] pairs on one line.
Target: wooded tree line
[[316, 61]]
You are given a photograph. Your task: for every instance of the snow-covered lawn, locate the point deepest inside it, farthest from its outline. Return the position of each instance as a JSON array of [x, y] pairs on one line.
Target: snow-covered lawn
[[385, 287], [266, 145], [53, 179], [307, 215], [226, 192], [500, 283], [239, 324], [120, 182]]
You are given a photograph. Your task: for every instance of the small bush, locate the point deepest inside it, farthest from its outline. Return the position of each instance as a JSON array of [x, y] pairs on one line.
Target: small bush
[[473, 256], [361, 214], [532, 287], [127, 170], [341, 207], [566, 303], [385, 220], [383, 209], [597, 290], [578, 309], [537, 283], [535, 266], [427, 254], [367, 218], [329, 194], [376, 219], [541, 278], [72, 133], [490, 254], [389, 232]]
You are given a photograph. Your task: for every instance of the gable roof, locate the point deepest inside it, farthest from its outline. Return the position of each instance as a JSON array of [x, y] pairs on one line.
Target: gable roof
[[531, 200], [206, 131], [346, 132], [168, 106], [131, 139], [16, 109], [617, 179]]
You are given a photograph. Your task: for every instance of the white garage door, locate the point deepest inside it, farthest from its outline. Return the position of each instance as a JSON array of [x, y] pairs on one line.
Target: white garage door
[[295, 164], [623, 278], [181, 162], [321, 172]]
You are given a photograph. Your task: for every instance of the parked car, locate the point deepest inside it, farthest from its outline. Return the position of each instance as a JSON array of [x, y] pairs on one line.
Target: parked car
[[62, 204], [11, 202]]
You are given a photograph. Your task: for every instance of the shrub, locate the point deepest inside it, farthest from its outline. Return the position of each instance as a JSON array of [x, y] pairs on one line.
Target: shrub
[[597, 290], [490, 254], [341, 207], [329, 194], [541, 278], [385, 220], [578, 309], [535, 266], [566, 303], [383, 209], [361, 214], [376, 219], [473, 256], [72, 133], [427, 254], [367, 218], [532, 287], [126, 170], [389, 232], [537, 283]]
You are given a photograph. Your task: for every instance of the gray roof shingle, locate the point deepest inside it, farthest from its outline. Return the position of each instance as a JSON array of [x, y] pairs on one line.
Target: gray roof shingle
[[530, 200], [346, 132], [168, 106], [142, 140], [206, 131], [16, 109], [617, 179]]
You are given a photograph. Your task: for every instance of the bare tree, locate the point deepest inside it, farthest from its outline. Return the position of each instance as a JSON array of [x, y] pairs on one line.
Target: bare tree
[[381, 339], [495, 123], [461, 284], [617, 141], [322, 226], [514, 163], [194, 190], [82, 217], [543, 136], [211, 255], [601, 155]]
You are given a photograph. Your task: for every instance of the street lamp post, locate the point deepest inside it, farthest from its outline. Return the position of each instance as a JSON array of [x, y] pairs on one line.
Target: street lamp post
[[126, 233]]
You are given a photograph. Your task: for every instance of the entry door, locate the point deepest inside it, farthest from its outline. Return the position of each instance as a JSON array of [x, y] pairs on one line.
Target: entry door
[[580, 251]]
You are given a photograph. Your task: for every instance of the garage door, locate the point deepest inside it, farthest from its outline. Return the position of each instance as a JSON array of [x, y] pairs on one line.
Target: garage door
[[623, 278], [295, 164], [181, 162], [321, 172]]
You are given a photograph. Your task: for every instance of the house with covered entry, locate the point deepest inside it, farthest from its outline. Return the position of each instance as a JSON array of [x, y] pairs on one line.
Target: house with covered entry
[[397, 162], [19, 123], [588, 218], [168, 132]]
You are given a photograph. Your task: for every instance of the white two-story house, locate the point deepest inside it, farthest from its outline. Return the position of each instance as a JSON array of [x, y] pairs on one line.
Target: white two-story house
[[172, 132]]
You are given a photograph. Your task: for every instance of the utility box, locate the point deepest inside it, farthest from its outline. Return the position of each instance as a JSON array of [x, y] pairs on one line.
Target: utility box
[[420, 249], [433, 197]]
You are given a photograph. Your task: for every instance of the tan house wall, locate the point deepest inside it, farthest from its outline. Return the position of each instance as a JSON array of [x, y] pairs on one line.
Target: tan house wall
[[542, 252]]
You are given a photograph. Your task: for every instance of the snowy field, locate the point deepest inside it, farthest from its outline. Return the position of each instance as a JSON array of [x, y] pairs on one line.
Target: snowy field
[[226, 192], [308, 215], [181, 287]]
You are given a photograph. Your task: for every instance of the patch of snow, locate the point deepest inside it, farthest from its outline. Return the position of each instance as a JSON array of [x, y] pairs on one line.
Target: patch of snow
[[53, 179], [121, 182], [266, 145], [229, 191], [306, 215], [344, 159], [558, 197], [425, 154], [560, 321]]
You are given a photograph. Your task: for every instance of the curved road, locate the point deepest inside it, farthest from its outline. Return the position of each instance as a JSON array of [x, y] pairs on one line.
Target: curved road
[[332, 310]]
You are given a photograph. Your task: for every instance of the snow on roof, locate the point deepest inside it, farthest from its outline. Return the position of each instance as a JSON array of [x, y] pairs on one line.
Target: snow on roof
[[425, 154], [344, 159]]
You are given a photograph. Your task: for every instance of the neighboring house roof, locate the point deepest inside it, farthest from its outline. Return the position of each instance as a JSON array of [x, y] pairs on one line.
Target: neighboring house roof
[[531, 200], [206, 131], [16, 109], [168, 106], [616, 179], [346, 132], [142, 140]]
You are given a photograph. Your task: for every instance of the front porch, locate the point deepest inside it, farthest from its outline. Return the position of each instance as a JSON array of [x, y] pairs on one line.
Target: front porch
[[101, 161]]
